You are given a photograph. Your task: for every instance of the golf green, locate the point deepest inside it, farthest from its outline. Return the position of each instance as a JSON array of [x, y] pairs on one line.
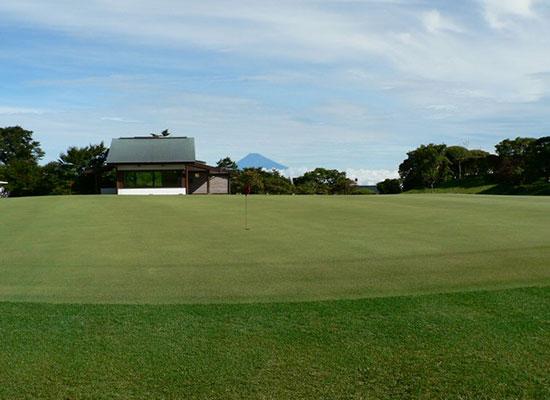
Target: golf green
[[194, 249]]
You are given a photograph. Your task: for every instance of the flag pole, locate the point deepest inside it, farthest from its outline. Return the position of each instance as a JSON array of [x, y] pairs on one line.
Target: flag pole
[[246, 212], [246, 193]]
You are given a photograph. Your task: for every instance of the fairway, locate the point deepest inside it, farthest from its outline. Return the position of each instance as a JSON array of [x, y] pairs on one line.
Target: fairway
[[92, 249], [477, 345]]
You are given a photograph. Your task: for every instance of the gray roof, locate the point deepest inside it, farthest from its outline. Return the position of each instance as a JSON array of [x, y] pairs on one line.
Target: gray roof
[[142, 150]]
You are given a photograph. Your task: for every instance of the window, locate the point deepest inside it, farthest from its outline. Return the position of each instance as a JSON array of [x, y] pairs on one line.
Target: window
[[152, 179]]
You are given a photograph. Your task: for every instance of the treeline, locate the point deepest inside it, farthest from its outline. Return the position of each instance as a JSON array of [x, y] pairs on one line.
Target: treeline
[[318, 181], [517, 161], [80, 170]]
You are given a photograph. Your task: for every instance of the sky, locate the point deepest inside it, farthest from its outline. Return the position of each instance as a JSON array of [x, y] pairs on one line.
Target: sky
[[351, 85]]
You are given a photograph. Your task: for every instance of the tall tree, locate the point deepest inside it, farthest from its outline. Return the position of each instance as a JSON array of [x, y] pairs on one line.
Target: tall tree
[[53, 180], [513, 159], [228, 164], [425, 166], [83, 166], [23, 177], [19, 155], [457, 155], [17, 143], [479, 163], [234, 173], [539, 159]]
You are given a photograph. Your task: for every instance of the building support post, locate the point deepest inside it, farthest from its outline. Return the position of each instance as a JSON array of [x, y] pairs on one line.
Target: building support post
[[119, 180], [187, 181]]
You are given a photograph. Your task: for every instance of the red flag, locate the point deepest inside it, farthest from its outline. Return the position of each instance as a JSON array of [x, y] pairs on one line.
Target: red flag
[[247, 190]]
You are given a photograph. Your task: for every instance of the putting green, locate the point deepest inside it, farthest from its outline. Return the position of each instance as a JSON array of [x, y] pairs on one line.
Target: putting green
[[194, 249]]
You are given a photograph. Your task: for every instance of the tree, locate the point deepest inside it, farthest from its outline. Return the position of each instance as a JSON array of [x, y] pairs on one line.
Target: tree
[[456, 156], [234, 173], [53, 180], [425, 166], [389, 186], [513, 159], [17, 143], [228, 164], [23, 177], [83, 166], [250, 177], [275, 183], [479, 163], [539, 159], [324, 181], [19, 155]]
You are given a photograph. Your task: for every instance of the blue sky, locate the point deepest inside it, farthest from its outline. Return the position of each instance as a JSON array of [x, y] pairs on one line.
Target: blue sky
[[345, 84]]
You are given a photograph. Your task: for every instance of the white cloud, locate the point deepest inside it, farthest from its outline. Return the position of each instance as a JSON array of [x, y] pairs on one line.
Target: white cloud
[[433, 22], [345, 111], [370, 176], [357, 74], [442, 107], [296, 29], [20, 110], [119, 119], [387, 33], [363, 176], [499, 12]]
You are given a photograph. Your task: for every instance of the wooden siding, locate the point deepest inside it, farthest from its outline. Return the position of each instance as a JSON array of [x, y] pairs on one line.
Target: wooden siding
[[198, 182], [219, 184]]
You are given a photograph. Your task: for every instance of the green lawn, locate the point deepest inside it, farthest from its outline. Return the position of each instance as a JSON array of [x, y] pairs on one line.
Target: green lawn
[[481, 186], [195, 249], [475, 345], [360, 297]]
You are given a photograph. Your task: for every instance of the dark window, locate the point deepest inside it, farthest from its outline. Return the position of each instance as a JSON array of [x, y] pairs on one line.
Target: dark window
[[152, 179], [171, 178]]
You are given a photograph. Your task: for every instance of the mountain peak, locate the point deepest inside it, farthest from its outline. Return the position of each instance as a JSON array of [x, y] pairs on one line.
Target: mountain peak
[[256, 160]]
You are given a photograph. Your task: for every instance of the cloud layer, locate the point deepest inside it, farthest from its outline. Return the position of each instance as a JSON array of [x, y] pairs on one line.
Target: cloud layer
[[346, 84]]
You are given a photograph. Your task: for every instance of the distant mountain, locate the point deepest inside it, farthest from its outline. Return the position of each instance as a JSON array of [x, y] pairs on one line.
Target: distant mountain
[[255, 160]]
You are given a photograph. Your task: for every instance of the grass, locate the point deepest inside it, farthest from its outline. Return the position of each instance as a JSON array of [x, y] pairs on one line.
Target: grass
[[477, 345], [325, 297], [481, 186], [195, 249], [459, 189]]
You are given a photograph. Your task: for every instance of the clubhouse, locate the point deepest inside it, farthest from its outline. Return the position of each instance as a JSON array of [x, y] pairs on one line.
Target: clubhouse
[[163, 165]]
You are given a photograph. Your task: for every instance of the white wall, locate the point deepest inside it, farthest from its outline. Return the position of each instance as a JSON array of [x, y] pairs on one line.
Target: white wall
[[155, 191]]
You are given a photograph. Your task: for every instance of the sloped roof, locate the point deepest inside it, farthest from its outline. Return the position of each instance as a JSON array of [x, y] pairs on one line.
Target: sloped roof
[[144, 150]]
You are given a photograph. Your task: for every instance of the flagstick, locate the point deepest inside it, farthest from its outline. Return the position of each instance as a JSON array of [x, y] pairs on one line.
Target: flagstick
[[246, 212]]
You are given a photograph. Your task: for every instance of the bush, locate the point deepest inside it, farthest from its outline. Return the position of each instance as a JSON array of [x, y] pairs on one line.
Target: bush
[[389, 186]]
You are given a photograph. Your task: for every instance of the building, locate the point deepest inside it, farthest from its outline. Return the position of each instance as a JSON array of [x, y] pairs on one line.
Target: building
[[163, 165]]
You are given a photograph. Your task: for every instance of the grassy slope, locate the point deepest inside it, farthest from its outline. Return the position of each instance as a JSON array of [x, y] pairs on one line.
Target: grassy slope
[[476, 345], [481, 189], [194, 249], [478, 186]]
